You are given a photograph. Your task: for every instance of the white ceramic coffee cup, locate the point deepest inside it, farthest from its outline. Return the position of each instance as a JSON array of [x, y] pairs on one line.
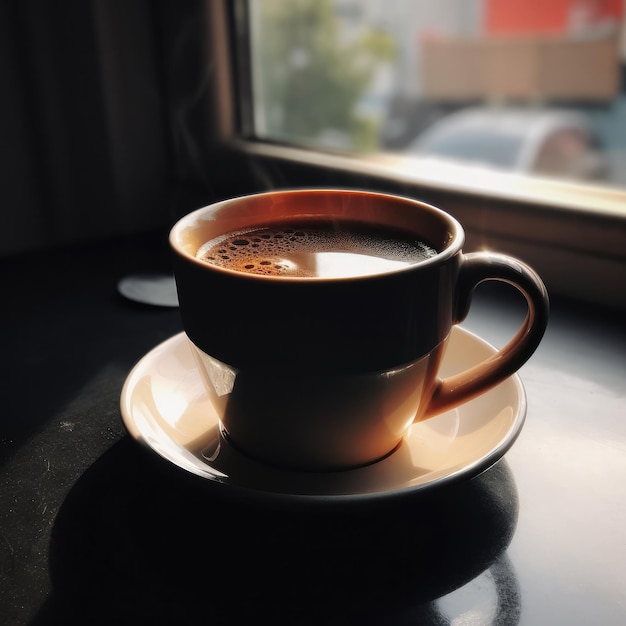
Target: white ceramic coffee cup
[[324, 374]]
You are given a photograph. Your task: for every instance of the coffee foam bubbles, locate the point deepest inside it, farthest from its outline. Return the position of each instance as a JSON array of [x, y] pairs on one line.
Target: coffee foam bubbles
[[264, 251], [313, 250]]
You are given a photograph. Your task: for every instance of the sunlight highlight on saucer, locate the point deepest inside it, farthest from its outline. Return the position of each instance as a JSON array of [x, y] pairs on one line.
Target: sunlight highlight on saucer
[[170, 404], [432, 436]]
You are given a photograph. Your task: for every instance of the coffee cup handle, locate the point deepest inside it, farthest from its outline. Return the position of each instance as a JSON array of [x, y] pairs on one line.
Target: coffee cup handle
[[476, 268]]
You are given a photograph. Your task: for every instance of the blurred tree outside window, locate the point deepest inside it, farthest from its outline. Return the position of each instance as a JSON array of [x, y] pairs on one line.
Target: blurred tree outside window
[[310, 76]]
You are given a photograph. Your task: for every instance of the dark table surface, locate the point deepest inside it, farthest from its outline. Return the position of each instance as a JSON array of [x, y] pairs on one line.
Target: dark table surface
[[94, 529]]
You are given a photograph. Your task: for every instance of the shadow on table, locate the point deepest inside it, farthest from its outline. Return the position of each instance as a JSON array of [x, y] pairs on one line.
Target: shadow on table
[[137, 542]]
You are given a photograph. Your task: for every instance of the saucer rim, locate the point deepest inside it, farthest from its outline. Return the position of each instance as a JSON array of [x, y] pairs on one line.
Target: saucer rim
[[249, 493]]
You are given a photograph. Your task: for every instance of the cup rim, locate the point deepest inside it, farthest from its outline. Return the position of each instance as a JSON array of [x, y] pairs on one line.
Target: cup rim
[[457, 235]]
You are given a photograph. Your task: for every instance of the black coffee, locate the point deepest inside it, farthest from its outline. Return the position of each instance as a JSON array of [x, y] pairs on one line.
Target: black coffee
[[316, 248]]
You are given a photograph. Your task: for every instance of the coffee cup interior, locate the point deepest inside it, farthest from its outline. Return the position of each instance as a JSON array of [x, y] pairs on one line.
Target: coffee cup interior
[[435, 227]]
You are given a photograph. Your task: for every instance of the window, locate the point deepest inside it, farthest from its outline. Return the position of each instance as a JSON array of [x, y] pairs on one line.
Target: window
[[509, 115], [479, 81]]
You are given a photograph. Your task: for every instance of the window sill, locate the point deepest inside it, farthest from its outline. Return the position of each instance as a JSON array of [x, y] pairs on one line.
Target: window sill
[[452, 178], [573, 234]]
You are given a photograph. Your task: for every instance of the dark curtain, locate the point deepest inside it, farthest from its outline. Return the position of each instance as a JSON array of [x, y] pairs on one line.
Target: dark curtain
[[108, 118]]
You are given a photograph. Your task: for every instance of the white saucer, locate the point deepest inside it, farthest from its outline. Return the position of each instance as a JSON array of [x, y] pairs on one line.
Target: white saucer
[[164, 406]]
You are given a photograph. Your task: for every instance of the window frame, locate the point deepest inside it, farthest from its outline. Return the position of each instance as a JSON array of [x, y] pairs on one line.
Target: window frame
[[573, 234]]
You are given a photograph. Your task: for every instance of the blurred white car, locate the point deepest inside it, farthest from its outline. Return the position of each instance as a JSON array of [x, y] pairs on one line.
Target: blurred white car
[[549, 142]]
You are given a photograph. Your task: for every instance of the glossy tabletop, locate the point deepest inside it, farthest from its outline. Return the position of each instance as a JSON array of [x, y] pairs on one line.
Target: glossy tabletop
[[96, 529]]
